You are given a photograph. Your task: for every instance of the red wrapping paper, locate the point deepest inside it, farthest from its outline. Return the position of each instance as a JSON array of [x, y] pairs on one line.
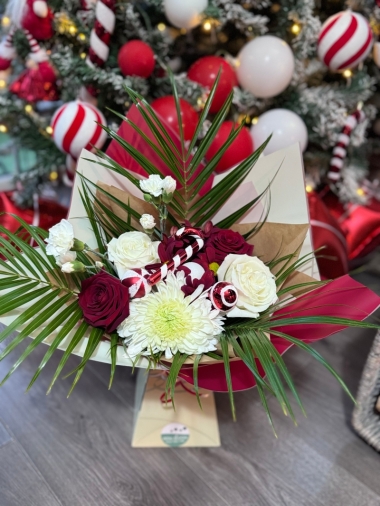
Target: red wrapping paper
[[117, 153], [342, 298]]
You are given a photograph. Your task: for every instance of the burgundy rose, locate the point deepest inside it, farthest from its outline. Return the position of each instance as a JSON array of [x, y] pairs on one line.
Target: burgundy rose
[[223, 242], [104, 301]]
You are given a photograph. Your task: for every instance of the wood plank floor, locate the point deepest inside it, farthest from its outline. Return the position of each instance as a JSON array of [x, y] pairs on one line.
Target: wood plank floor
[[76, 452]]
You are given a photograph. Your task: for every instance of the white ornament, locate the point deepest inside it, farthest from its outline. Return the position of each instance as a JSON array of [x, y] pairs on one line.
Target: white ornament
[[345, 40], [286, 126], [185, 13], [265, 66], [75, 127]]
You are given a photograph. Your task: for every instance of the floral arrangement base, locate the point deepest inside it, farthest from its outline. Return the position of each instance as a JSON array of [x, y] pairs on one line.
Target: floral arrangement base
[[159, 425]]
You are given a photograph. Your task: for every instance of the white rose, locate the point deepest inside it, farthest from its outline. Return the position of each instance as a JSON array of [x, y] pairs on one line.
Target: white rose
[[254, 282], [152, 185], [147, 221], [61, 239], [69, 256], [132, 250], [169, 185]]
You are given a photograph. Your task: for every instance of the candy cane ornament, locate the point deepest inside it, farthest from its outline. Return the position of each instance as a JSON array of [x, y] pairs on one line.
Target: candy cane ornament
[[101, 33], [181, 257], [340, 150], [7, 50]]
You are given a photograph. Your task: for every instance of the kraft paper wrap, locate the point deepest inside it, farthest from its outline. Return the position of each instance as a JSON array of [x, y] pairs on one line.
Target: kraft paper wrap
[[274, 240]]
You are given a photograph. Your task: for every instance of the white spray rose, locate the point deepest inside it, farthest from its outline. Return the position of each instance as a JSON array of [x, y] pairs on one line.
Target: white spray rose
[[147, 221], [169, 185], [132, 250], [69, 256], [61, 239], [254, 282], [152, 185]]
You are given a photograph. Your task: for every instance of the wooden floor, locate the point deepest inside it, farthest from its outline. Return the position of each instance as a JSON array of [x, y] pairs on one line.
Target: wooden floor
[[76, 452]]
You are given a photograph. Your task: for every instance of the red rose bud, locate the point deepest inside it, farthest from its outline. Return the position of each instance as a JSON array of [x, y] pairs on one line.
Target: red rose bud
[[104, 301], [225, 242]]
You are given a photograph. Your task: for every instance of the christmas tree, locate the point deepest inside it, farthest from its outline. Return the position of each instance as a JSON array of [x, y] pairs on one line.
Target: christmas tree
[[300, 69]]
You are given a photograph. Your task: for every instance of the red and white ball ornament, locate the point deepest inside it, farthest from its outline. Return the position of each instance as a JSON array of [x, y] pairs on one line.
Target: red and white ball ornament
[[136, 58], [205, 70], [75, 127], [223, 296], [135, 280], [345, 40], [241, 147]]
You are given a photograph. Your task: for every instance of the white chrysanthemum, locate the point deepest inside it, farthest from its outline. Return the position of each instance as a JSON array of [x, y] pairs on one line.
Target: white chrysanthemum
[[61, 239], [168, 321]]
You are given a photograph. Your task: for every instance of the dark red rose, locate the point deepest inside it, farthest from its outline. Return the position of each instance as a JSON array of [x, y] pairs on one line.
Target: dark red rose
[[104, 301], [225, 242]]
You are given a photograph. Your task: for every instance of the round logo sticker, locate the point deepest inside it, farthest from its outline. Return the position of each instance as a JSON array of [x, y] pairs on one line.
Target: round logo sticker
[[175, 434]]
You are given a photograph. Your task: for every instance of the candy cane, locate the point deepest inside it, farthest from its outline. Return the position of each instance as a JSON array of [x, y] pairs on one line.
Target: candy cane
[[101, 33], [181, 257], [7, 50], [39, 54], [340, 150]]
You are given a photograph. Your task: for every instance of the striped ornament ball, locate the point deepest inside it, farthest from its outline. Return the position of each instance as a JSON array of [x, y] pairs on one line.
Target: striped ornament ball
[[345, 40], [75, 127]]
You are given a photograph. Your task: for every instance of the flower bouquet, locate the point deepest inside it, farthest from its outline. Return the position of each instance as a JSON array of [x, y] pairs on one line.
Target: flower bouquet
[[152, 271]]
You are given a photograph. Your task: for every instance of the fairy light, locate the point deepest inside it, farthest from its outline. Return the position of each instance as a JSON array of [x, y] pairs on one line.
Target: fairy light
[[82, 37], [83, 55], [53, 176], [3, 129], [308, 188], [49, 130], [183, 31], [207, 25], [347, 73], [5, 21], [72, 29], [3, 84], [275, 8], [295, 28], [255, 120], [360, 192], [28, 108], [161, 27]]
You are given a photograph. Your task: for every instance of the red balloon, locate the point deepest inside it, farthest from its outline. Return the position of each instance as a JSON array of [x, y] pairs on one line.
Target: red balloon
[[165, 107], [240, 149], [136, 58], [205, 70]]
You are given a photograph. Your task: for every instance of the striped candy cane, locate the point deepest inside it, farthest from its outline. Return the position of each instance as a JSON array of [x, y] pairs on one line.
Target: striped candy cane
[[39, 54], [181, 257], [101, 33], [7, 50], [340, 150]]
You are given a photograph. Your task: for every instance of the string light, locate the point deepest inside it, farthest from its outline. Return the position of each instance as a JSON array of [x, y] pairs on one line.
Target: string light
[[255, 120], [360, 192], [53, 176], [244, 118], [308, 188], [3, 129], [347, 73], [3, 84], [49, 130], [83, 55], [28, 108], [207, 25], [73, 29], [82, 36], [5, 21], [161, 27], [275, 8], [183, 31], [295, 28]]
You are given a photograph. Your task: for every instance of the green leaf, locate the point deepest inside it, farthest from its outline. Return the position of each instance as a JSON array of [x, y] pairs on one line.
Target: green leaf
[[195, 378], [227, 371], [178, 361], [113, 350]]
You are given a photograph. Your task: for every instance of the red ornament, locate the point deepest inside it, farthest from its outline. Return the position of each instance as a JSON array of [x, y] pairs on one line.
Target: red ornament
[[165, 107], [223, 296], [136, 58], [135, 281], [4, 63], [38, 83], [205, 70], [37, 18], [241, 147]]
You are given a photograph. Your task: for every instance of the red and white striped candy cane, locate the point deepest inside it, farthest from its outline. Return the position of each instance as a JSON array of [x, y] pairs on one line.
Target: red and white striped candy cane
[[101, 33], [181, 257], [38, 53], [340, 150], [7, 50]]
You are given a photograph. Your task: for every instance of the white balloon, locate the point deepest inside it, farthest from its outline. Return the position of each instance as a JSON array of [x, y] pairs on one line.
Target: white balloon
[[286, 126], [265, 66], [184, 13]]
